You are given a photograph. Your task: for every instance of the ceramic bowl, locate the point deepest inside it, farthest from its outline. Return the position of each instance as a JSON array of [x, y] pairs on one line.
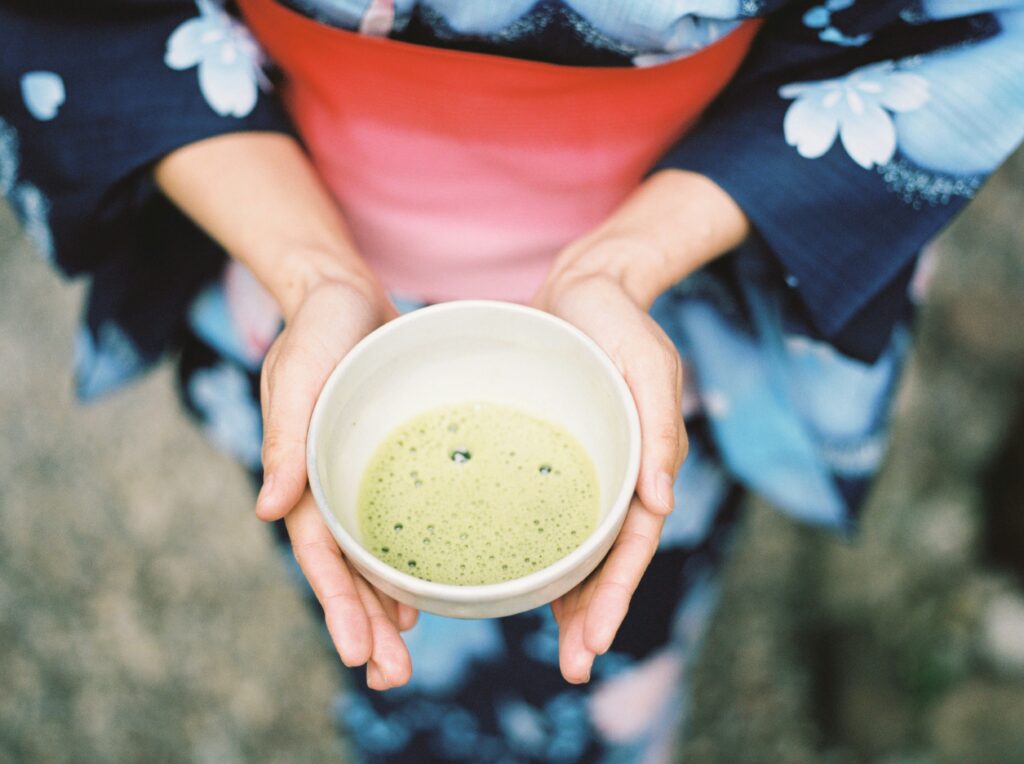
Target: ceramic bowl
[[456, 352]]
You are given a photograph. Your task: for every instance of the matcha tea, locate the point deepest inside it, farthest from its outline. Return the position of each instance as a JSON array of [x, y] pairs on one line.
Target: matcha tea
[[476, 494]]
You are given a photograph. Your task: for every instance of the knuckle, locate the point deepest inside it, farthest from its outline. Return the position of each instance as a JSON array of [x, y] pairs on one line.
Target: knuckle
[[291, 356], [684, 445], [669, 433], [305, 551], [276, 444], [657, 355], [270, 360], [617, 588], [668, 354], [640, 544], [346, 599]]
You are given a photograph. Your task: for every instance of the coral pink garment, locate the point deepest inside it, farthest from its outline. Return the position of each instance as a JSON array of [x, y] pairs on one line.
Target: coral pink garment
[[463, 174]]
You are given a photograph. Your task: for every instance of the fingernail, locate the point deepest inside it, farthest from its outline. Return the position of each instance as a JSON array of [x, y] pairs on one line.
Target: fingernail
[[663, 487]]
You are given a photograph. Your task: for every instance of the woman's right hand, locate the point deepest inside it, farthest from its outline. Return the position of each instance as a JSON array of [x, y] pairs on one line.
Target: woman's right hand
[[364, 623], [258, 195]]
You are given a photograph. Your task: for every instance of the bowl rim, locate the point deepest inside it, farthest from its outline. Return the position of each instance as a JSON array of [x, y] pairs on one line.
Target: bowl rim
[[360, 556]]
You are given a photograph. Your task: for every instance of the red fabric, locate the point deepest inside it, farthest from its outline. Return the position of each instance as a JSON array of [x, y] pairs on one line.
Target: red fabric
[[462, 174]]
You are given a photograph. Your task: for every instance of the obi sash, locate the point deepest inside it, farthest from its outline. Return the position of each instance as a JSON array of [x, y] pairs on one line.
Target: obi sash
[[463, 174]]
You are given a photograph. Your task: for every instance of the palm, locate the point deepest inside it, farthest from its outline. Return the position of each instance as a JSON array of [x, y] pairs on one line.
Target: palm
[[590, 614]]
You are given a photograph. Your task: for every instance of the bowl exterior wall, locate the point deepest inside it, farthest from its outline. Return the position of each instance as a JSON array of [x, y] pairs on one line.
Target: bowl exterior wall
[[496, 608]]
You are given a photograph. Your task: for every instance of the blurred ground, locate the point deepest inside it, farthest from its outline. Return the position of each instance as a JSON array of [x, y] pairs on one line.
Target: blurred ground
[[145, 616], [905, 646]]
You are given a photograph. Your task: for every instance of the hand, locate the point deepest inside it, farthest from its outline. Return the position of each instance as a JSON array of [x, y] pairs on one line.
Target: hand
[[258, 195], [364, 623], [590, 615], [604, 283]]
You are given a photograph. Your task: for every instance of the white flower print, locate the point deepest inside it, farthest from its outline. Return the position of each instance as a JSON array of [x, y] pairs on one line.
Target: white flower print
[[27, 201], [820, 17], [43, 94], [633, 702], [555, 732], [34, 210], [973, 84], [854, 107], [252, 310], [447, 649], [378, 19], [104, 362], [8, 157], [228, 57], [232, 415]]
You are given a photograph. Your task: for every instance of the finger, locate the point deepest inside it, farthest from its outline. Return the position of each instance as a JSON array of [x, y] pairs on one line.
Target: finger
[[332, 581], [654, 374], [268, 362], [317, 338], [619, 576], [574, 658], [556, 609], [390, 656], [293, 384], [403, 616], [407, 616], [566, 605], [374, 679], [390, 606]]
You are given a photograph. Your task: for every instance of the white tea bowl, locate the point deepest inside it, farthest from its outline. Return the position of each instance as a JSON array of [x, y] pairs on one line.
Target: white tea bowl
[[473, 351]]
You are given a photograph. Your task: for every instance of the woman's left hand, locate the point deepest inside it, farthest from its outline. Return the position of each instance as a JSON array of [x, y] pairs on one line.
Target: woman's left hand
[[604, 284], [589, 615]]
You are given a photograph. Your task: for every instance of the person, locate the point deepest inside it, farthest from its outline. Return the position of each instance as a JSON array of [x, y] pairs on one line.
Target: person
[[729, 197]]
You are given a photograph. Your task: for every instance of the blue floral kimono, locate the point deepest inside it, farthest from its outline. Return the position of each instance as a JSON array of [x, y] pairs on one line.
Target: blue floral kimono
[[850, 136]]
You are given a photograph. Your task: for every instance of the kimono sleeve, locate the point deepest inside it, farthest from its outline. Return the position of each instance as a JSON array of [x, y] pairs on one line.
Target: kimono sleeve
[[851, 137], [91, 95]]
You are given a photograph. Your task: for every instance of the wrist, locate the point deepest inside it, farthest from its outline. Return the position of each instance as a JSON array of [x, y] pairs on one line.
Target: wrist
[[259, 197], [300, 270], [631, 263], [673, 224]]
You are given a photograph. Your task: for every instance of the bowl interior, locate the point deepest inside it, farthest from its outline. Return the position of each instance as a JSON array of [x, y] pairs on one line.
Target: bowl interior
[[465, 352]]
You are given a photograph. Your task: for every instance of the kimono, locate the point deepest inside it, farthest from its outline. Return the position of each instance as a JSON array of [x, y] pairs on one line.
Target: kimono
[[850, 136]]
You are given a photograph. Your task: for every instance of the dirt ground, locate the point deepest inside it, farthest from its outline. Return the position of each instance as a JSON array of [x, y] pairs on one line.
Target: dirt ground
[[146, 616], [144, 613]]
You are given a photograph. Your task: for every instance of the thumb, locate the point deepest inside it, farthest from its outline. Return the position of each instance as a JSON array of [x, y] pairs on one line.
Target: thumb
[[291, 385], [332, 319], [654, 375], [284, 474]]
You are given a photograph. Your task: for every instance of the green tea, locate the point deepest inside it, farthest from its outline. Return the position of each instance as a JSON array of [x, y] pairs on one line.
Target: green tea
[[476, 494]]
